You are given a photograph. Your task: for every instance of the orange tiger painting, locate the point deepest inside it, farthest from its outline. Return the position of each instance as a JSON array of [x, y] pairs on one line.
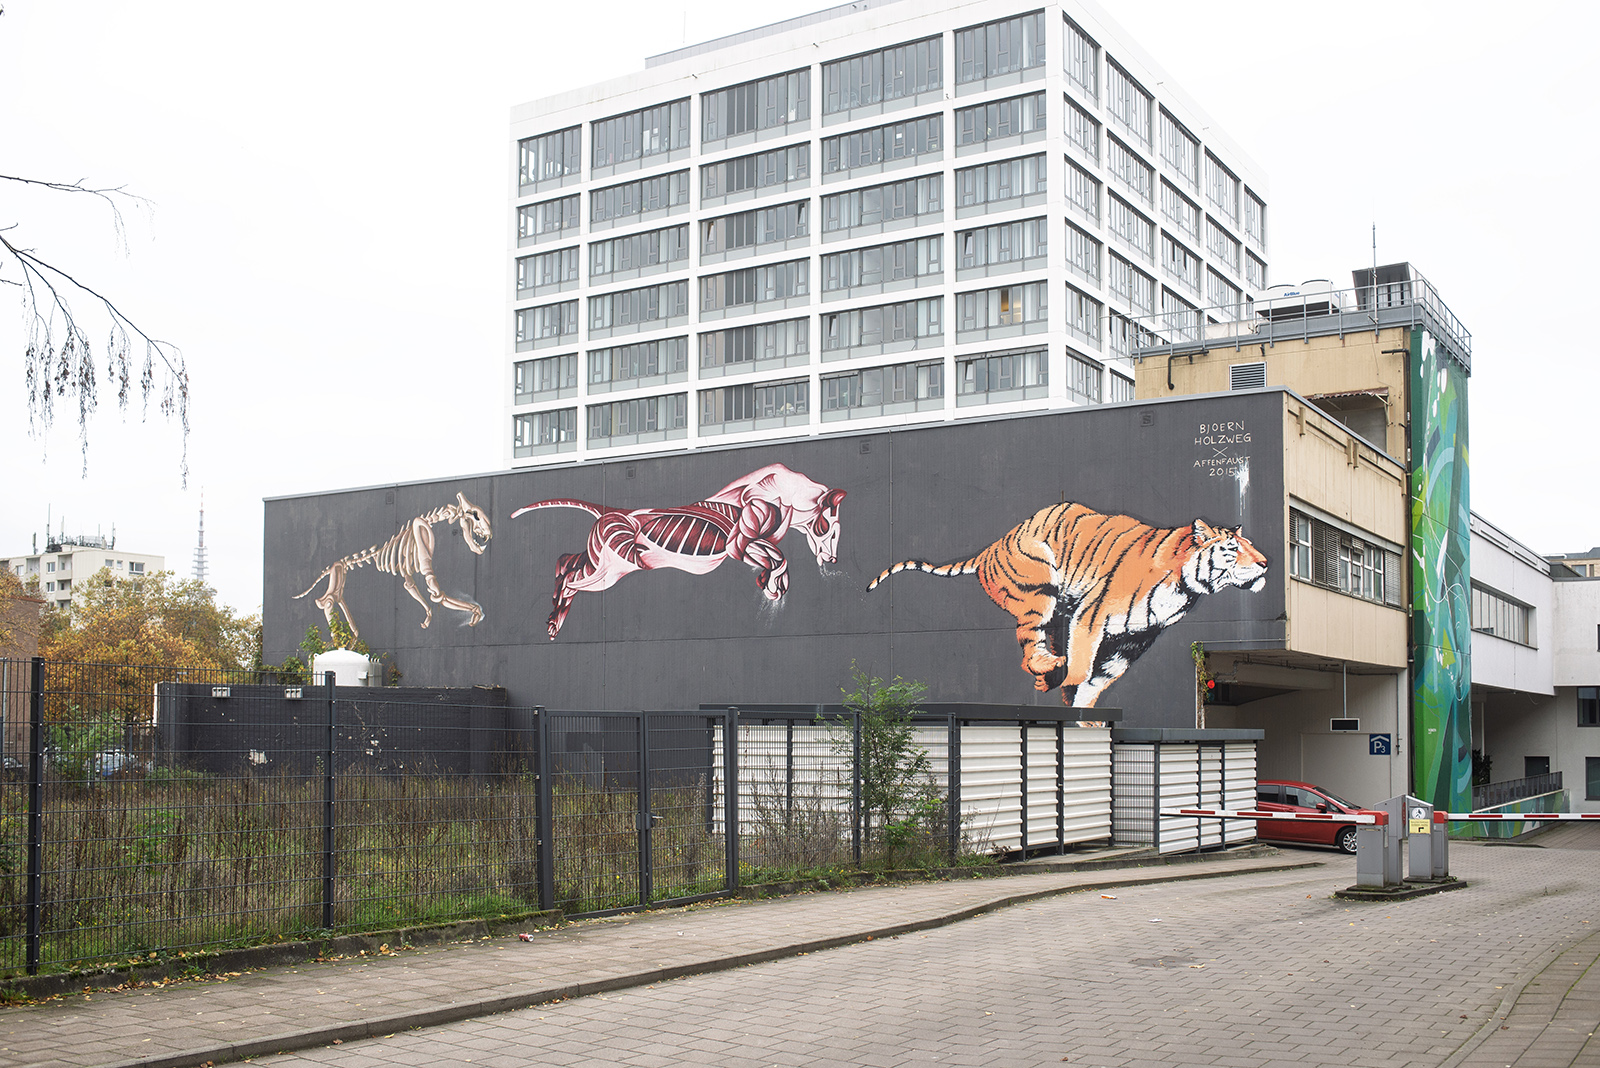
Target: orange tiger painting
[[1106, 584]]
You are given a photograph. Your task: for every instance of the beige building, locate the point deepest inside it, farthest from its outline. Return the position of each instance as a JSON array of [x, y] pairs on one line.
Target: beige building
[[67, 562]]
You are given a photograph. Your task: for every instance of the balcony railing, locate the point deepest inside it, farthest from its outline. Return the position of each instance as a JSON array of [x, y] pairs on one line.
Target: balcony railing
[[1503, 793]]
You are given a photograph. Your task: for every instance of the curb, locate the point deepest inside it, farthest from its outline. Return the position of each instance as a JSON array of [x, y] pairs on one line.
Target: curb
[[455, 1013], [1508, 1003]]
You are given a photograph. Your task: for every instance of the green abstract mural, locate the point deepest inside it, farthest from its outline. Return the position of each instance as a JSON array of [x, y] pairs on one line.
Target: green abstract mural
[[1441, 581]]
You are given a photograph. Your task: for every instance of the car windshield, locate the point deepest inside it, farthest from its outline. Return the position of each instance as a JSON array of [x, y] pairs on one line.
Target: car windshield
[[1335, 797]]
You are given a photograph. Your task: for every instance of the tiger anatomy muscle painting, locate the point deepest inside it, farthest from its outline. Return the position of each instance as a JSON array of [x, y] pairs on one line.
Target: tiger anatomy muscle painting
[[744, 521], [1102, 586]]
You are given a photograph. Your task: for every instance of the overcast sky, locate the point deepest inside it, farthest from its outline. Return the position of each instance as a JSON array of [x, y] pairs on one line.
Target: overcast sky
[[329, 237]]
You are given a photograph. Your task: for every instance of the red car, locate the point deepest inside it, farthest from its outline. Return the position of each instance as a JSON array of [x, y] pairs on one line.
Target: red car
[[1284, 795]]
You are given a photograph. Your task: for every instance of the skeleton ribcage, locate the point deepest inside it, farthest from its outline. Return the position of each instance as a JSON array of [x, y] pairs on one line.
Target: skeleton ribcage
[[401, 555], [693, 530]]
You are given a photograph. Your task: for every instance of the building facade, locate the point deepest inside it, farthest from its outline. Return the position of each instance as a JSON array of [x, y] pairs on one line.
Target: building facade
[[67, 562], [879, 214]]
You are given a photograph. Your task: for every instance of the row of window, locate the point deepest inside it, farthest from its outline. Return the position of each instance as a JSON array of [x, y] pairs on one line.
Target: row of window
[[1323, 554], [1494, 613], [904, 70], [987, 377]]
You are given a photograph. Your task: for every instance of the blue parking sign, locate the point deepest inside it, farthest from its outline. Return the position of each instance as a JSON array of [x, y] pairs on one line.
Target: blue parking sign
[[1378, 744]]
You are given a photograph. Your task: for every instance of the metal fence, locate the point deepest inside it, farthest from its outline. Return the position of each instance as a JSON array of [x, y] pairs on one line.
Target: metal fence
[[1503, 793], [152, 810]]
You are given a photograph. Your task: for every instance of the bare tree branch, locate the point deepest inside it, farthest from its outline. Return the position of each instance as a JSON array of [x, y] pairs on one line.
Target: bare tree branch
[[59, 360]]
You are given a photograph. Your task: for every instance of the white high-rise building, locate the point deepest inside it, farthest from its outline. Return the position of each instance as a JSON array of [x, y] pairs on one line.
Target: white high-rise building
[[881, 213]]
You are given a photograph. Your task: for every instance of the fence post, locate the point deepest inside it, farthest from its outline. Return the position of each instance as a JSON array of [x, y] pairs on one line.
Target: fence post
[[329, 751], [730, 795], [952, 756], [1061, 787], [35, 810], [1156, 800], [855, 786], [545, 815], [1022, 732], [645, 819]]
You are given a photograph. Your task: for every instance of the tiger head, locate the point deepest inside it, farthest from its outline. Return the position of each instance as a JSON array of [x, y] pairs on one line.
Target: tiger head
[[474, 524], [1223, 558], [822, 527]]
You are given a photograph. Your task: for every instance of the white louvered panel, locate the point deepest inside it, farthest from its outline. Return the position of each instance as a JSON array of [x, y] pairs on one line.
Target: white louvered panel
[[1180, 779], [1086, 784], [991, 788], [1041, 787], [1241, 788]]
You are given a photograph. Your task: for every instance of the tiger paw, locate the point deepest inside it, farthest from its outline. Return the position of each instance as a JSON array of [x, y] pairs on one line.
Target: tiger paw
[[1040, 664]]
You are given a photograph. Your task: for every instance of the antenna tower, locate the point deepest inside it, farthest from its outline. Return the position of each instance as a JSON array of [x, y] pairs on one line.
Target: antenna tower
[[200, 545]]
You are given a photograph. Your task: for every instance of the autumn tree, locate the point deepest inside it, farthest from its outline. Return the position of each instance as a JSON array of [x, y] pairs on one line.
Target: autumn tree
[[157, 619]]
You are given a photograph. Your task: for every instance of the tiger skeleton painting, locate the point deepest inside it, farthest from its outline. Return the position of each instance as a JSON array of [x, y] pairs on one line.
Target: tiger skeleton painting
[[744, 521], [408, 553], [1106, 584]]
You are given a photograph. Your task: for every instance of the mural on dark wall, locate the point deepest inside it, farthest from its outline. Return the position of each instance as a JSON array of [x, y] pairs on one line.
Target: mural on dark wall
[[743, 521], [1092, 592], [409, 553]]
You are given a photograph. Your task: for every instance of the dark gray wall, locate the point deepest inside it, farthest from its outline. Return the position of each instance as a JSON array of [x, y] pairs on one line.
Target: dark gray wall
[[668, 639]]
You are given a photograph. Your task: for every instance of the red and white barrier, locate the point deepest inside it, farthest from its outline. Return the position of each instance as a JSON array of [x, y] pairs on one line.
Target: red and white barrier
[[1514, 817], [1363, 817]]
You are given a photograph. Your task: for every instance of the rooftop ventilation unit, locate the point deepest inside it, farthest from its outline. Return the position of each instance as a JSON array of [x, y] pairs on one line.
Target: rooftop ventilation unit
[[1247, 376]]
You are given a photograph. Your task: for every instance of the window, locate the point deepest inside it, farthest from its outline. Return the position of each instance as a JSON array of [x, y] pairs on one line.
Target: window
[[547, 376], [1005, 306], [772, 400], [755, 171], [661, 193], [549, 156], [640, 134], [1136, 231], [1014, 242], [1223, 296], [1338, 559], [1120, 390], [1083, 254], [1180, 211], [748, 229], [1002, 372], [875, 387], [547, 324], [540, 432], [1083, 192], [547, 271], [879, 204], [882, 144], [1255, 219], [1125, 336], [1591, 776], [1179, 316], [916, 258], [1222, 246], [1132, 285], [995, 183], [1128, 104], [1589, 709], [1082, 58], [1000, 118], [50, 567], [547, 218], [1255, 271], [1137, 176], [910, 321], [1496, 614], [639, 416], [643, 359], [1181, 264], [638, 251], [1083, 379], [1003, 47], [759, 105], [878, 77], [637, 307], [1180, 151], [1222, 189], [754, 285], [750, 345], [1083, 130], [1083, 316]]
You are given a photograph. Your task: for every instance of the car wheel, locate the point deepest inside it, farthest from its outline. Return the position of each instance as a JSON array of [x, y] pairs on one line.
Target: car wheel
[[1347, 839]]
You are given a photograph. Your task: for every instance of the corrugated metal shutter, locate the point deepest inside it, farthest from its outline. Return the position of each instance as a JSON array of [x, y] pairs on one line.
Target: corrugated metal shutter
[[1324, 554], [1393, 586]]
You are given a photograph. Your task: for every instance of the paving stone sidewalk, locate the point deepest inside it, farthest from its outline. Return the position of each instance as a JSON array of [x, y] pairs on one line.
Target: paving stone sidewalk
[[297, 1007]]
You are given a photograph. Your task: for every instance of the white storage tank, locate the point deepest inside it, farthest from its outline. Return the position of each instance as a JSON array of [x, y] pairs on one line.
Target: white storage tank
[[347, 668]]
